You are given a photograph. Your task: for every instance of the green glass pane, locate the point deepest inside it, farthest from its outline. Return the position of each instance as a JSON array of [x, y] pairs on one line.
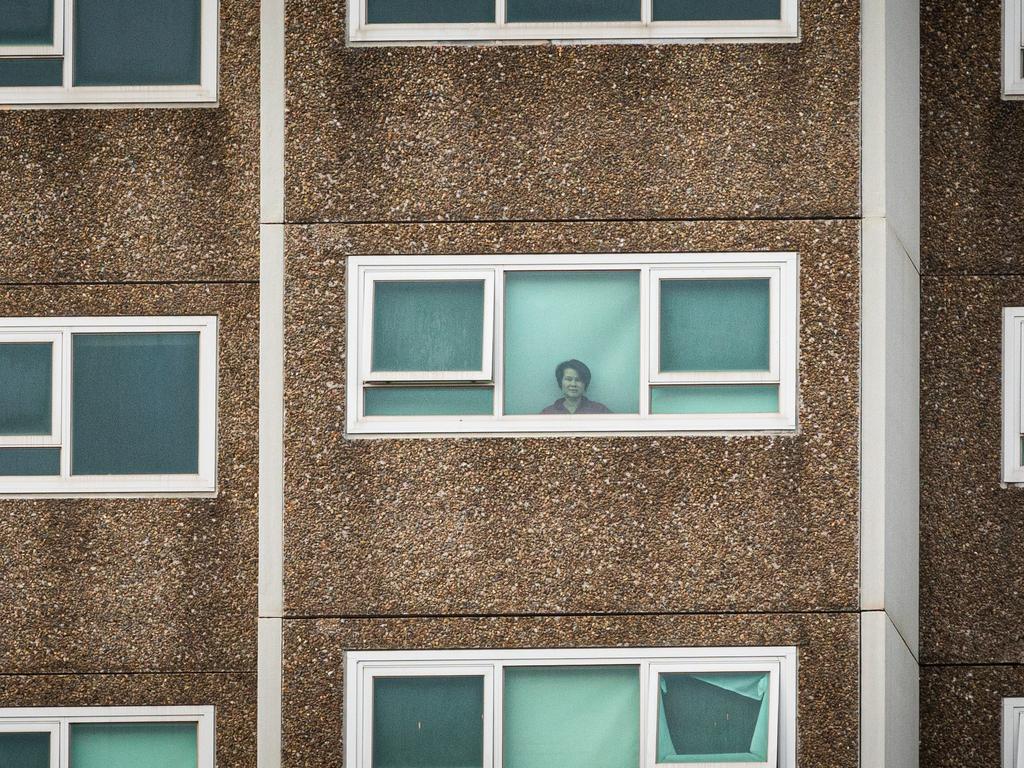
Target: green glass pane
[[572, 10], [428, 722], [428, 401], [135, 403], [137, 42], [26, 22], [572, 717], [24, 750], [715, 325], [716, 10], [26, 388], [16, 73], [716, 398], [589, 316], [29, 462], [428, 325], [134, 745], [713, 717], [429, 11]]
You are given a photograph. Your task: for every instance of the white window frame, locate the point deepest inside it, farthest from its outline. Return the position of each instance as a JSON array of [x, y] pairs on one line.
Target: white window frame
[[1013, 394], [58, 721], [784, 29], [1013, 732], [361, 667], [56, 48], [56, 340], [781, 268], [69, 95], [203, 483], [1013, 49]]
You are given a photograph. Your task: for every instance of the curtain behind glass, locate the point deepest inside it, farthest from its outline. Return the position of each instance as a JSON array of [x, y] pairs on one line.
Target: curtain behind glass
[[26, 388], [25, 750], [134, 745]]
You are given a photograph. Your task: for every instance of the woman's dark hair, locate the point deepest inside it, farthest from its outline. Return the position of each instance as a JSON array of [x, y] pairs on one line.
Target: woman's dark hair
[[576, 365]]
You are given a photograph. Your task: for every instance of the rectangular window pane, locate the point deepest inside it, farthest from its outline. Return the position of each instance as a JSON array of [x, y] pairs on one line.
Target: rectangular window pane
[[572, 717], [572, 10], [26, 388], [429, 11], [715, 325], [137, 42], [590, 317], [716, 398], [29, 462], [713, 717], [428, 722], [428, 325], [25, 750], [135, 403], [18, 73], [26, 22], [428, 401], [131, 745], [716, 10]]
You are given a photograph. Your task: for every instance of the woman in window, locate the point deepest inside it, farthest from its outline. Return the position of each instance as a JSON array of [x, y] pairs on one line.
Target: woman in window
[[573, 377]]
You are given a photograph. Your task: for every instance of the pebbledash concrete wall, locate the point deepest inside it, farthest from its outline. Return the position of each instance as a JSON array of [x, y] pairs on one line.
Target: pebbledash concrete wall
[[972, 618], [141, 212]]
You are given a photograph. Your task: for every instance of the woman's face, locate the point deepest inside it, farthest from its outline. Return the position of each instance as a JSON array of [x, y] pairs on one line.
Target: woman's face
[[572, 385]]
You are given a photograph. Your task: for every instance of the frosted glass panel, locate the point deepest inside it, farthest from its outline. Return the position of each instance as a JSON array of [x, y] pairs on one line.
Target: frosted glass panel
[[26, 22], [428, 401], [715, 325], [29, 462], [428, 325], [428, 722], [589, 316], [24, 750], [26, 388], [137, 42], [16, 73], [713, 717], [572, 717], [572, 10], [135, 403], [716, 10], [716, 398], [429, 11], [134, 745]]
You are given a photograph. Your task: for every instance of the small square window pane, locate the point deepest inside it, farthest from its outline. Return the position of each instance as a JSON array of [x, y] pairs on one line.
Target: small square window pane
[[428, 401], [713, 717], [26, 22], [715, 398], [715, 325], [26, 388], [428, 722], [29, 462], [132, 745], [572, 10], [137, 42], [428, 325], [716, 10], [20, 73], [135, 403], [25, 750], [429, 11], [572, 717]]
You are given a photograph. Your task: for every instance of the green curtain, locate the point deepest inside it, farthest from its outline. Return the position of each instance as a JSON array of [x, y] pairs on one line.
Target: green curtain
[[715, 398], [716, 10], [134, 745], [26, 388], [29, 462], [572, 10], [16, 73], [25, 750], [428, 401], [429, 11], [26, 22]]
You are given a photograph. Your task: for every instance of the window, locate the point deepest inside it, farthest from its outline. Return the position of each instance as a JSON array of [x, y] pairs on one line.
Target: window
[[592, 708], [1013, 393], [1013, 49], [384, 21], [113, 52], [107, 737], [1013, 733], [113, 405], [585, 343]]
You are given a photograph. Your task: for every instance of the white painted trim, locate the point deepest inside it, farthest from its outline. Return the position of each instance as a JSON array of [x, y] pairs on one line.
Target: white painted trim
[[1013, 49], [56, 48], [268, 686], [1013, 393], [1012, 741], [272, 110]]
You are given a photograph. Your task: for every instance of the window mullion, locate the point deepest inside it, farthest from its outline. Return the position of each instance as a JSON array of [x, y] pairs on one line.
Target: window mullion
[[646, 11], [65, 395], [499, 13], [648, 334]]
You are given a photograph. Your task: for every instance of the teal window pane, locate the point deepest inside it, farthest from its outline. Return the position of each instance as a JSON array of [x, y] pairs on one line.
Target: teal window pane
[[428, 325], [428, 401], [572, 10], [29, 462], [24, 750], [428, 722], [589, 316], [17, 73], [713, 717], [572, 717], [133, 745], [429, 11], [26, 388], [716, 10], [137, 42], [716, 398], [135, 403], [715, 325], [26, 22]]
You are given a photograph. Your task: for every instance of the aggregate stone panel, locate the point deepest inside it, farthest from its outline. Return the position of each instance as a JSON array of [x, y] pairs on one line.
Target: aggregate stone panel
[[571, 524], [972, 198], [827, 698], [232, 695], [541, 132], [104, 195], [145, 584], [971, 536]]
